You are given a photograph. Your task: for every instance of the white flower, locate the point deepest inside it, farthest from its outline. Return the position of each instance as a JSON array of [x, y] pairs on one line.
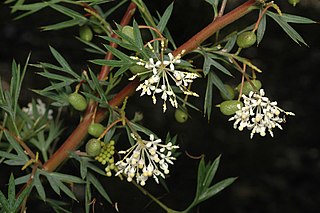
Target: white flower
[[162, 68], [146, 159], [40, 109], [258, 114]]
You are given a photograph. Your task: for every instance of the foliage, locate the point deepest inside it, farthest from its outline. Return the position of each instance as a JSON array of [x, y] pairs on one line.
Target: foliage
[[29, 135]]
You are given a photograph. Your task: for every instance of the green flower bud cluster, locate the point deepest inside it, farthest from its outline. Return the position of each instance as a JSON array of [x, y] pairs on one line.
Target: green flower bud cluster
[[106, 156]]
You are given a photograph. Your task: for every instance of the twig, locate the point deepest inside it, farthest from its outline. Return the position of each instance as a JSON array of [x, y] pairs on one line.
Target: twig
[[103, 75], [22, 144], [214, 26]]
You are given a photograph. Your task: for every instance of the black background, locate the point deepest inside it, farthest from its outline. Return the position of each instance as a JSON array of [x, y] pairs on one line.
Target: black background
[[279, 174]]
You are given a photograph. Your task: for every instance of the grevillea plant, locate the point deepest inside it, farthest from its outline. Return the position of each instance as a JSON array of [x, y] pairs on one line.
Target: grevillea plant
[[141, 58]]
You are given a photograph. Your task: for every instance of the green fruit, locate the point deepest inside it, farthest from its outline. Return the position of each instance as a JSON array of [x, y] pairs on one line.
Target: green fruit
[[246, 39], [97, 29], [180, 115], [77, 101], [230, 107], [293, 2], [230, 93], [93, 147], [85, 33], [128, 31], [135, 69], [96, 25], [95, 129], [247, 87]]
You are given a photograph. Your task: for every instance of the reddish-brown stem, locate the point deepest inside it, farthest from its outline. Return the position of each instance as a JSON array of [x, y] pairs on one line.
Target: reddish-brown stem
[[260, 17], [214, 26], [80, 132], [125, 20]]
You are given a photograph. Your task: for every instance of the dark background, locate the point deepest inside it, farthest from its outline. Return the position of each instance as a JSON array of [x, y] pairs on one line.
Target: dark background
[[280, 174]]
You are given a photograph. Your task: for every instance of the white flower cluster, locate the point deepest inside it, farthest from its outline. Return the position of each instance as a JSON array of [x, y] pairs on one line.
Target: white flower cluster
[[40, 108], [258, 114], [159, 82], [146, 159]]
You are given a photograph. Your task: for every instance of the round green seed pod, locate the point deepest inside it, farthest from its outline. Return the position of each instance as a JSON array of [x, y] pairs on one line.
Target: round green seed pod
[[95, 27], [85, 33], [293, 2], [246, 39], [180, 115], [77, 101], [247, 87], [128, 31], [230, 91], [95, 129], [135, 69], [230, 107], [93, 148]]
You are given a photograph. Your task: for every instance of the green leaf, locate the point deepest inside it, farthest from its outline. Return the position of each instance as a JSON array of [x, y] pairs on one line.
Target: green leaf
[[294, 35], [296, 19], [63, 63], [4, 203], [208, 97], [129, 46], [230, 43], [56, 86], [122, 69], [209, 60], [210, 173], [164, 19], [22, 156], [19, 2], [111, 132], [66, 190], [9, 155], [22, 179], [37, 183], [111, 63], [88, 197], [141, 128], [21, 197], [97, 86], [118, 53], [93, 46], [68, 12], [53, 76], [261, 28], [58, 206], [66, 178], [215, 189], [111, 10], [53, 184], [11, 191], [213, 2], [218, 83], [95, 182], [201, 176], [137, 36], [32, 8], [62, 25]]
